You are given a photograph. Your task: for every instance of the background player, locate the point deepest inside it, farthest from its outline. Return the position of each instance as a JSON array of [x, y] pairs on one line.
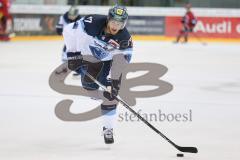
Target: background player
[[5, 20], [189, 21], [98, 44], [70, 16]]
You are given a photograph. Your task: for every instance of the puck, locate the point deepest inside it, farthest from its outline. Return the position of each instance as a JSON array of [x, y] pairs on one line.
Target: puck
[[180, 155]]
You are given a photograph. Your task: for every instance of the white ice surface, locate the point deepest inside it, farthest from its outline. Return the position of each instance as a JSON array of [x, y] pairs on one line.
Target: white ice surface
[[206, 80]]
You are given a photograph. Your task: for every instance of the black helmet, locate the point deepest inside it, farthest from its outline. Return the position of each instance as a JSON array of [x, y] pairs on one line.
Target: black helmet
[[118, 13]]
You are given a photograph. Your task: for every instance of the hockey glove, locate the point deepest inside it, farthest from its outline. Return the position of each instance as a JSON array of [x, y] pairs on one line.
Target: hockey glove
[[74, 60], [115, 86]]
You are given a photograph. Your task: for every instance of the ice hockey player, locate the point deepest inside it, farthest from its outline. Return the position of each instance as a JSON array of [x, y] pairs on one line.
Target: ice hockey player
[[5, 20], [99, 45], [189, 21], [70, 16]]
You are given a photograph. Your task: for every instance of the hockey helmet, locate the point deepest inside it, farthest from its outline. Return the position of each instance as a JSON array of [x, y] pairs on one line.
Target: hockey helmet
[[188, 6], [118, 13]]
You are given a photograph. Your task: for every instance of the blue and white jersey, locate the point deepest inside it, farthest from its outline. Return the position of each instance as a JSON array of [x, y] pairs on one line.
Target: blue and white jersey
[[63, 22], [88, 37]]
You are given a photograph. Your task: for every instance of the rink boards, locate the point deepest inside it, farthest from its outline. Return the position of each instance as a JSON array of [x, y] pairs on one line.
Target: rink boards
[[166, 22]]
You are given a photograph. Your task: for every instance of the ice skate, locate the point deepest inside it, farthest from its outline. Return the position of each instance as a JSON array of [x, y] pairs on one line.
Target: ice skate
[[108, 135]]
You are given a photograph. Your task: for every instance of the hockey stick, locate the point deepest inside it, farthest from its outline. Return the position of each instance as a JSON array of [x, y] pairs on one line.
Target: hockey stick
[[180, 148], [199, 39]]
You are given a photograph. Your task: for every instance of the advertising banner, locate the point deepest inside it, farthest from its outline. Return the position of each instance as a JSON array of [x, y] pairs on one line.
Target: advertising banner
[[30, 24], [212, 27], [146, 25]]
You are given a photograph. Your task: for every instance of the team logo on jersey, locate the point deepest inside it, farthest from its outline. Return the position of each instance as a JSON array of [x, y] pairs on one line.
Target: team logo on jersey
[[98, 52], [119, 12]]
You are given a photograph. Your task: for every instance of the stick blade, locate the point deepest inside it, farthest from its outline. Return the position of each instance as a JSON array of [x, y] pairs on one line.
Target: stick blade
[[188, 149]]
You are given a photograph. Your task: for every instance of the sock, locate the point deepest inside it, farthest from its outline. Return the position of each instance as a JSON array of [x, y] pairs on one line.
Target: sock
[[108, 116]]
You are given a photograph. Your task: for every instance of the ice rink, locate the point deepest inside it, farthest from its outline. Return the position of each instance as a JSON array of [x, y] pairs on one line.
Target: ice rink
[[206, 83]]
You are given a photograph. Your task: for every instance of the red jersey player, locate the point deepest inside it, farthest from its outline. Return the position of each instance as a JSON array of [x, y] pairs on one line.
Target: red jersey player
[[5, 20], [188, 21]]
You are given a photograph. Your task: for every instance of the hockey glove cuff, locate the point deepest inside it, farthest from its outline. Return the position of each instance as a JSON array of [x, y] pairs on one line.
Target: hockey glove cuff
[[74, 60], [115, 86]]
